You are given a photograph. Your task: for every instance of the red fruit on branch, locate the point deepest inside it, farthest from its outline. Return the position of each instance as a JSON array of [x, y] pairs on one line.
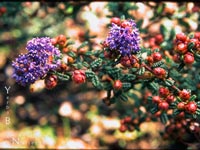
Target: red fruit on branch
[[3, 9], [61, 39], [127, 119], [181, 106], [197, 35], [117, 85], [78, 76], [170, 98], [184, 95], [149, 59], [123, 128], [157, 57], [50, 81], [127, 61], [191, 107], [125, 24], [163, 92], [156, 99], [159, 38], [163, 105], [54, 41], [159, 72], [115, 20], [181, 36], [181, 48], [188, 58], [152, 42], [177, 58]]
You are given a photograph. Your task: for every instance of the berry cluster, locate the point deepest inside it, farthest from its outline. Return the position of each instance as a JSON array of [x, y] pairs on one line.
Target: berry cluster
[[186, 48], [164, 99], [154, 42], [186, 103], [182, 129], [128, 123]]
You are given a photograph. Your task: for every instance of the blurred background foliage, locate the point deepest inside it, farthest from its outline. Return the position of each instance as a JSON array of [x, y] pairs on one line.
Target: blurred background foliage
[[72, 116]]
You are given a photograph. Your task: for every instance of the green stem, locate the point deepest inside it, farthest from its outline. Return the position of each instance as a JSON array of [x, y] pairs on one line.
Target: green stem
[[67, 129]]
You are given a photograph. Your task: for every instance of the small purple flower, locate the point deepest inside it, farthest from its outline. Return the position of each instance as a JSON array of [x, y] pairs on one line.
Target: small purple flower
[[41, 58], [124, 39]]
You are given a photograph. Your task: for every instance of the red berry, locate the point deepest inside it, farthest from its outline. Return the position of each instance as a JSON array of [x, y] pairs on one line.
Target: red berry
[[176, 58], [191, 107], [181, 36], [156, 99], [181, 114], [156, 56], [104, 44], [163, 105], [123, 128], [188, 58], [184, 95], [117, 85], [181, 48], [163, 92], [127, 61], [125, 24], [170, 98], [149, 59], [122, 121], [181, 106], [159, 72], [107, 54], [54, 41], [78, 76], [195, 9], [197, 35], [115, 20], [82, 50], [127, 119], [3, 9], [152, 42], [50, 81], [62, 40], [159, 38], [195, 41]]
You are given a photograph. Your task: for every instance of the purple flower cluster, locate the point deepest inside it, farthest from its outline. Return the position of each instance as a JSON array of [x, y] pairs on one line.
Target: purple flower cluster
[[41, 58], [124, 38]]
